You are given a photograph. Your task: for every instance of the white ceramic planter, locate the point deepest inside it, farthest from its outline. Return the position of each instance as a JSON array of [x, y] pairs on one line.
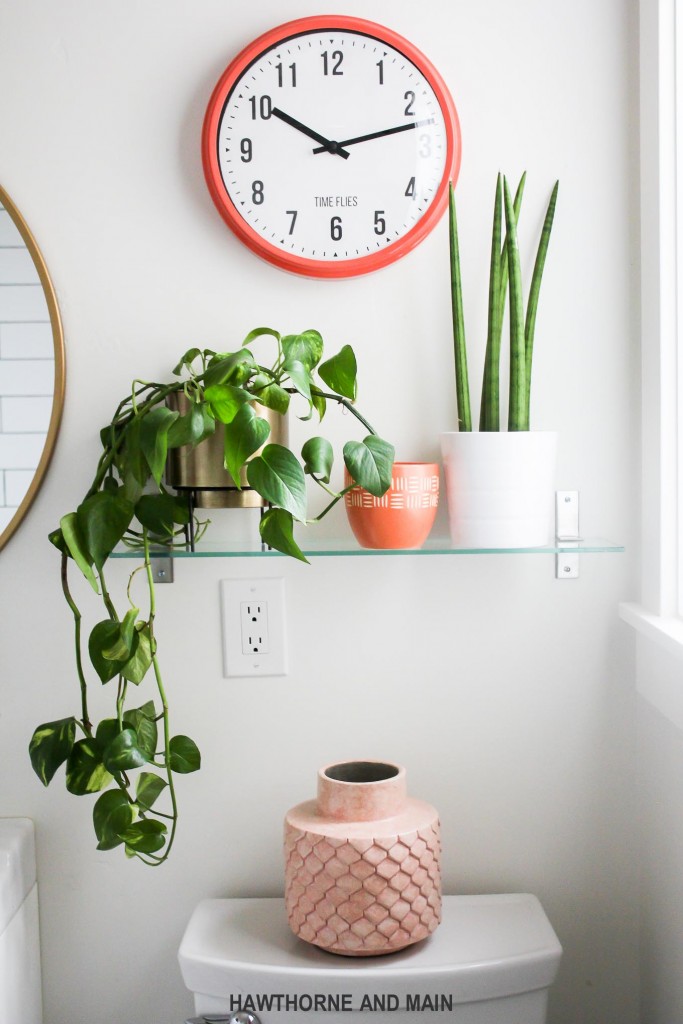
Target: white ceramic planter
[[500, 487]]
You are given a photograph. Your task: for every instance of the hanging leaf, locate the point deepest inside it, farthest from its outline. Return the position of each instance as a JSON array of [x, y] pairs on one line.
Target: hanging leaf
[[185, 756], [278, 477], [103, 518], [122, 647], [225, 401], [299, 376], [145, 836], [192, 427], [245, 435], [106, 636], [72, 536], [339, 373], [154, 428], [272, 396], [112, 815], [143, 720], [124, 752], [85, 770], [50, 746], [149, 788], [370, 463], [138, 664], [318, 456], [277, 531], [160, 512], [306, 348]]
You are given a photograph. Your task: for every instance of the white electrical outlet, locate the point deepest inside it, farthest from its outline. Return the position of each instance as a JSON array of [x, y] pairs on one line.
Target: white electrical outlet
[[254, 641]]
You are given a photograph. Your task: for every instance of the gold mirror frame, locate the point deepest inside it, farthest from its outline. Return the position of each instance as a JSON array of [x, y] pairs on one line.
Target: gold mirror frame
[[60, 368]]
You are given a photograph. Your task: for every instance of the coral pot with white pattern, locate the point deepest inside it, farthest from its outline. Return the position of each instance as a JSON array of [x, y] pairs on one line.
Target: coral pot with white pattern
[[362, 862]]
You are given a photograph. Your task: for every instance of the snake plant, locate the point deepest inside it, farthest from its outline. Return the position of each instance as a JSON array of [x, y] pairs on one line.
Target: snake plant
[[505, 278]]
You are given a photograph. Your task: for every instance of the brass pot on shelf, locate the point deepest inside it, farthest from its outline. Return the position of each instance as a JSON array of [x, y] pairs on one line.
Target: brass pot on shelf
[[201, 470]]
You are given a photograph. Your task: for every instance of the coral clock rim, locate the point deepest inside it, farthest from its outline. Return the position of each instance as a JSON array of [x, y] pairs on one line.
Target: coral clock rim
[[246, 234]]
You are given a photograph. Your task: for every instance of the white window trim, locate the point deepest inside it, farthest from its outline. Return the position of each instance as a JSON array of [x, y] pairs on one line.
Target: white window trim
[[661, 105]]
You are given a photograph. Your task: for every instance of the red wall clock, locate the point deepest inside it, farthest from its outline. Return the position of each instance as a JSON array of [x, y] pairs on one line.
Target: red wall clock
[[328, 146]]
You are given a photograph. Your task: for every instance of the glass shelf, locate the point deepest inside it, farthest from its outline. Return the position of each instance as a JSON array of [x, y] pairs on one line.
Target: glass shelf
[[348, 546]]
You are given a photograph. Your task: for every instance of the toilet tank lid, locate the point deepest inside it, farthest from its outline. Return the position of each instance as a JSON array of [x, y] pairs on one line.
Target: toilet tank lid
[[17, 865], [486, 947]]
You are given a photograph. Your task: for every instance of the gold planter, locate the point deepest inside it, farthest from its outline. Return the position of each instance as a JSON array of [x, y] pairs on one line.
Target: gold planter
[[202, 472]]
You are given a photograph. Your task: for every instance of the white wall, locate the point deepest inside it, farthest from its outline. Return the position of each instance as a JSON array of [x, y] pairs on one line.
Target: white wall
[[508, 695]]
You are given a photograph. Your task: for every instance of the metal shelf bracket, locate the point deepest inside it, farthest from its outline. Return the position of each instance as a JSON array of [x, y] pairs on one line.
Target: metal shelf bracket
[[567, 534]]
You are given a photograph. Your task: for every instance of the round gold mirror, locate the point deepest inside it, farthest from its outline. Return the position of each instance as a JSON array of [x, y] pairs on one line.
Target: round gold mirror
[[31, 368]]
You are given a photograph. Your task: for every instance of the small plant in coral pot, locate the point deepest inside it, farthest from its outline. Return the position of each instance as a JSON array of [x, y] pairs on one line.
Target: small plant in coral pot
[[500, 484], [129, 760]]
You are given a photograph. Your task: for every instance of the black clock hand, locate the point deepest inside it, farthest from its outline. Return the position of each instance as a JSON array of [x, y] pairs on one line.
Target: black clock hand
[[378, 135], [326, 147]]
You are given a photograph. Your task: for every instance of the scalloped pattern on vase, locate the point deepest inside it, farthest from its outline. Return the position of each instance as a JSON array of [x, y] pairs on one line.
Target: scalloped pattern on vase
[[363, 897]]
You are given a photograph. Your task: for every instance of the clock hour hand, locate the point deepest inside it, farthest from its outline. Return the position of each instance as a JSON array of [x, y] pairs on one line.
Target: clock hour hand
[[327, 145], [378, 135]]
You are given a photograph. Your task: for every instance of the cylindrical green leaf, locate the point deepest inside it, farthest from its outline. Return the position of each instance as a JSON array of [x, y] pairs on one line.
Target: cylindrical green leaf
[[462, 386], [516, 410], [489, 418], [532, 305]]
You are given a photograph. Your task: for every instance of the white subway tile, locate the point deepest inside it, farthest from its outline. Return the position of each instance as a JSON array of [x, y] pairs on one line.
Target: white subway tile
[[6, 517], [21, 451], [9, 234], [25, 415], [17, 267], [27, 376], [26, 341], [17, 482], [23, 302]]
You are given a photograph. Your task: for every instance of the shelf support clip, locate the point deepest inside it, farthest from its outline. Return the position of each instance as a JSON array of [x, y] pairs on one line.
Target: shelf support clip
[[567, 534]]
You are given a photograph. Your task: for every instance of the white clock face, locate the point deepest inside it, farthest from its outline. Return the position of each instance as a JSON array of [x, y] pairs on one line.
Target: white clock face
[[331, 145]]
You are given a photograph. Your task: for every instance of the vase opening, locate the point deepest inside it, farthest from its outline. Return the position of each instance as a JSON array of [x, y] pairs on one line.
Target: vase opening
[[361, 771]]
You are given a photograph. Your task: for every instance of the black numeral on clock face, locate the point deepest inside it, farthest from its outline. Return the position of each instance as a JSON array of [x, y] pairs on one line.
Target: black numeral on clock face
[[380, 223], [410, 97], [281, 76], [335, 229], [380, 65], [246, 150], [257, 195], [334, 62], [292, 214], [262, 107], [410, 190]]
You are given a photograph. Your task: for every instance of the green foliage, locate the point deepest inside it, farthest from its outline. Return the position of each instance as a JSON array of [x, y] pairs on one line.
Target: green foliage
[[505, 277], [129, 759]]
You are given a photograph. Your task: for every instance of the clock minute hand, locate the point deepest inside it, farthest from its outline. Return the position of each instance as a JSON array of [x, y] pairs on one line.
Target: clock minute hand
[[378, 135], [327, 146]]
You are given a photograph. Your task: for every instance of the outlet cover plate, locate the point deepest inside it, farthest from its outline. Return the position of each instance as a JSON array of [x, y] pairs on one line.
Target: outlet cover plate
[[269, 595]]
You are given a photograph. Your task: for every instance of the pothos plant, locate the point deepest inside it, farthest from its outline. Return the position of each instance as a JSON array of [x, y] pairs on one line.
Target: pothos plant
[[131, 756]]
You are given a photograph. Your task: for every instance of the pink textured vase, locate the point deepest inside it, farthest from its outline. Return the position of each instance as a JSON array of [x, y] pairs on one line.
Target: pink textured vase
[[362, 862]]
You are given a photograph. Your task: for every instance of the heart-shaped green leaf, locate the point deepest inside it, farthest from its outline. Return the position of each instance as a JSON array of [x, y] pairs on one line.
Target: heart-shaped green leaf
[[194, 426], [154, 428], [144, 722], [318, 456], [339, 373], [277, 531], [299, 376], [185, 756], [148, 789], [243, 437], [137, 665], [370, 463], [124, 752], [272, 396], [102, 637], [72, 536], [278, 477], [145, 836], [306, 348], [122, 646], [225, 401], [103, 518], [50, 746], [159, 512], [85, 771], [112, 815]]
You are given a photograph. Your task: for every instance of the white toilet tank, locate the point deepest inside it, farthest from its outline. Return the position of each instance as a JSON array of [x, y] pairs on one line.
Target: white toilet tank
[[491, 961], [20, 993]]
